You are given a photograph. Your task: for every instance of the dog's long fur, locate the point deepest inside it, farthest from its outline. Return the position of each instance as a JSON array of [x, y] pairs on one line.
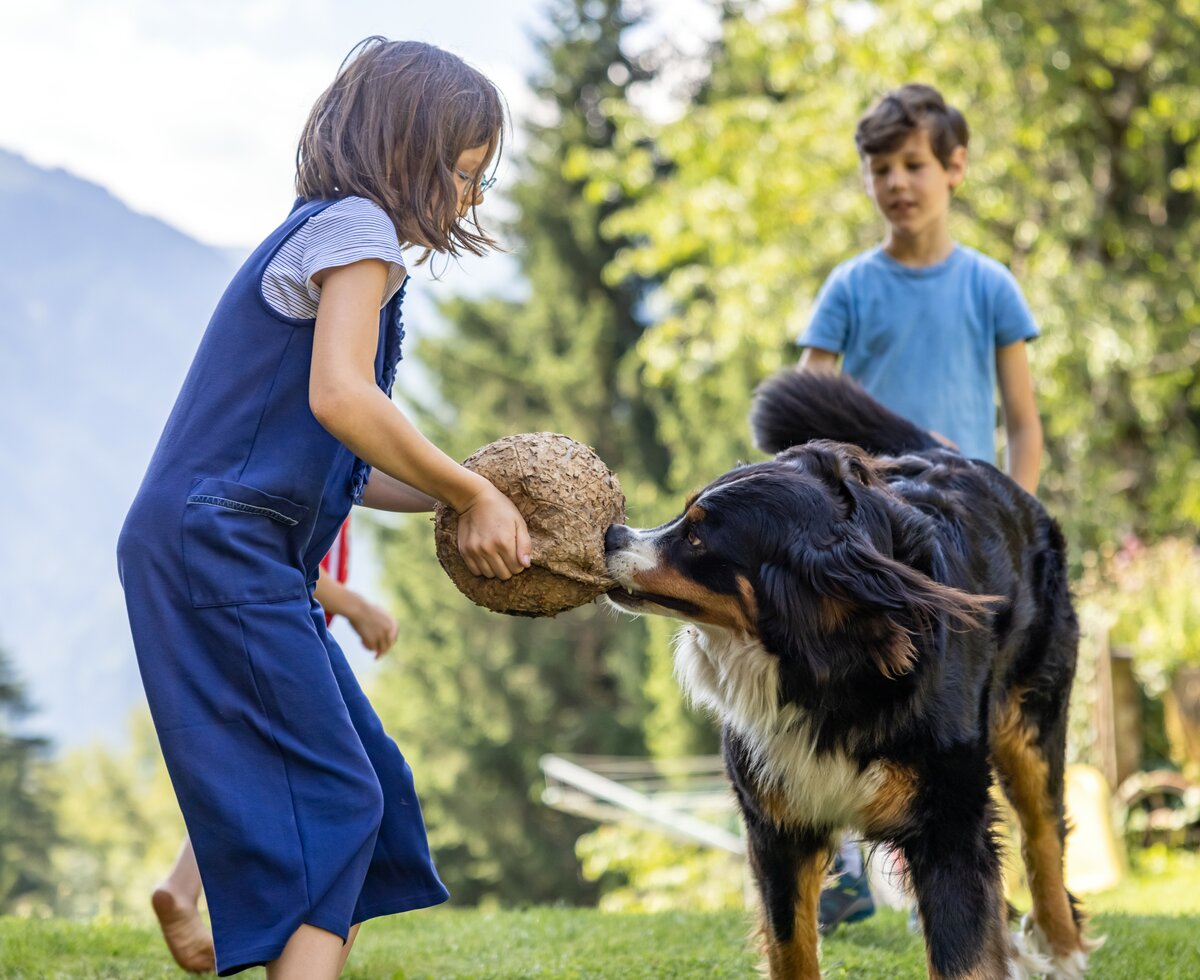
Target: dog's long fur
[[879, 624]]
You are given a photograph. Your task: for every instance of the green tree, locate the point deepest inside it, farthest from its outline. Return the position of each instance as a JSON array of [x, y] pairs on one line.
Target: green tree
[[1083, 177], [120, 826], [1144, 599], [1106, 173], [475, 698], [27, 826]]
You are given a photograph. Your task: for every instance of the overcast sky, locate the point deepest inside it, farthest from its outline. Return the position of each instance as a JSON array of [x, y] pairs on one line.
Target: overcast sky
[[190, 110]]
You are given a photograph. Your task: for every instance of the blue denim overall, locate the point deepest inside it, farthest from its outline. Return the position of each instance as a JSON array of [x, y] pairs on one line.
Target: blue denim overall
[[299, 806]]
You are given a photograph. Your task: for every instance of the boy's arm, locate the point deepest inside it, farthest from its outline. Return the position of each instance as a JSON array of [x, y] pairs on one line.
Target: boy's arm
[[1022, 424], [824, 338], [816, 359]]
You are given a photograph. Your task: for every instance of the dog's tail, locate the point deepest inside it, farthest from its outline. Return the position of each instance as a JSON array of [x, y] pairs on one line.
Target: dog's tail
[[794, 407]]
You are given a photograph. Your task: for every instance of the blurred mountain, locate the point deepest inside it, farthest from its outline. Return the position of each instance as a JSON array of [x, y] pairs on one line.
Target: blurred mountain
[[100, 311]]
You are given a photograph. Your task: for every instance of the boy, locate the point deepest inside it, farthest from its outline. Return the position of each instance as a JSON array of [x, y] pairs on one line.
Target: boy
[[928, 326]]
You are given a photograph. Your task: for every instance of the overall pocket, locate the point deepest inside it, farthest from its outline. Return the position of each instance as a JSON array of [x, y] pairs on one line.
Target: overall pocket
[[240, 545]]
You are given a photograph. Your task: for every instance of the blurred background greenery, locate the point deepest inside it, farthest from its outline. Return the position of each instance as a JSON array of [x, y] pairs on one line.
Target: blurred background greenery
[[668, 263]]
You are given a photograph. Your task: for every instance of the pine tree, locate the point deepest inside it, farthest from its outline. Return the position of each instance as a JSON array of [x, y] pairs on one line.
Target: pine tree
[[478, 697], [27, 826]]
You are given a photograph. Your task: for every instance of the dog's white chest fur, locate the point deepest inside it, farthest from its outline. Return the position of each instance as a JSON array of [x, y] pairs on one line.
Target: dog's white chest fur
[[738, 680]]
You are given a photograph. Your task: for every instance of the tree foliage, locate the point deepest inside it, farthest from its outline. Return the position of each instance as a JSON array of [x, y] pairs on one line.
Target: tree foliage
[[120, 827], [1083, 177], [27, 827], [1113, 239], [1146, 599], [475, 698], [670, 268]]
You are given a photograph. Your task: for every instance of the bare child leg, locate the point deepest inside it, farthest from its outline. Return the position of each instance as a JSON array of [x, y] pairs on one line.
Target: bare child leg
[[175, 902], [311, 954], [349, 945]]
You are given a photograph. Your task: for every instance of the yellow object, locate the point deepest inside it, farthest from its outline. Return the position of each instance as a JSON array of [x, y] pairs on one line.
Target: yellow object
[[1095, 859]]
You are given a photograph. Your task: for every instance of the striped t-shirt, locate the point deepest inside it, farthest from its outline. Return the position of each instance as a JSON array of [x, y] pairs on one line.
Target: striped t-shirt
[[349, 230]]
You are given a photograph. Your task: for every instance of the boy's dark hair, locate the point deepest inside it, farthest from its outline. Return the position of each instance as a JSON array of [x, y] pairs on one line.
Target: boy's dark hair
[[391, 127], [888, 123]]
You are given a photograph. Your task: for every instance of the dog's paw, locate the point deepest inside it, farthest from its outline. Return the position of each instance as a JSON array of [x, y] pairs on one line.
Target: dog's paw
[[1028, 956], [1035, 950]]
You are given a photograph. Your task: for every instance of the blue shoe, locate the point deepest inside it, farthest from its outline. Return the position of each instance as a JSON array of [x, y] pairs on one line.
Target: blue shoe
[[848, 899]]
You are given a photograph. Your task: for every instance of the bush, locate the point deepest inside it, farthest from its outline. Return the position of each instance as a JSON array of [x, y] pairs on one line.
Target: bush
[[643, 870]]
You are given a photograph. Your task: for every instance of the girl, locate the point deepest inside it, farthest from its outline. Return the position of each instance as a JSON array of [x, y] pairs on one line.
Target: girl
[[301, 810]]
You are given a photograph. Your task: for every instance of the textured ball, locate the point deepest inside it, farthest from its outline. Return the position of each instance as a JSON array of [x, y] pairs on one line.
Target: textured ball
[[568, 498]]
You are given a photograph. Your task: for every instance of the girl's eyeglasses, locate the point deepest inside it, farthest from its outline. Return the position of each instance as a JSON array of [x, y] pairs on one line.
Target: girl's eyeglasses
[[482, 186]]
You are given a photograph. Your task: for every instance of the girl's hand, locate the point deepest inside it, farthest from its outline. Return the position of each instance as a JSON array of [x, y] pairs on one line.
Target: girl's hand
[[492, 535]]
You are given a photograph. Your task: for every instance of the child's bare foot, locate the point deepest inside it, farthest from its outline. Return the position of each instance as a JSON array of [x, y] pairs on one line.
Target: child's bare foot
[[188, 940]]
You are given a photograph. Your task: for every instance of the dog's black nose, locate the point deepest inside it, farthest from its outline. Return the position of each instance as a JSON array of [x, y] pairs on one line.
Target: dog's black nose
[[616, 537]]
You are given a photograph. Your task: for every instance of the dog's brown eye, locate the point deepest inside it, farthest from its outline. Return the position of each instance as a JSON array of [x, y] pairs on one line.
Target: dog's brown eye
[[693, 539]]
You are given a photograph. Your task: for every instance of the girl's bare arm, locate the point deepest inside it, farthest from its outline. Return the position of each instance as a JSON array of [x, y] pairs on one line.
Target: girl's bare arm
[[346, 400], [383, 492]]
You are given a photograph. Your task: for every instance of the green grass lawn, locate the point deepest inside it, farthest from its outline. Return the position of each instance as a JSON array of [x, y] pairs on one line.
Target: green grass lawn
[[1152, 924]]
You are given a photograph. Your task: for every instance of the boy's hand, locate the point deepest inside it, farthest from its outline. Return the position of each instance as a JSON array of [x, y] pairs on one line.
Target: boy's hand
[[375, 627], [492, 535]]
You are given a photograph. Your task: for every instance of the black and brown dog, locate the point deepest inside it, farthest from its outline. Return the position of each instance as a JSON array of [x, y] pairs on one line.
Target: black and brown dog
[[879, 624]]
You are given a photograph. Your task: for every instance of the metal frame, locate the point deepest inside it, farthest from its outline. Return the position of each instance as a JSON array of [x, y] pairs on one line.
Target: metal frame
[[665, 793]]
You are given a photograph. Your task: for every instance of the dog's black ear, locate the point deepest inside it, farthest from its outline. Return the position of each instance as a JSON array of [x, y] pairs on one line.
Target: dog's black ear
[[851, 600], [848, 472]]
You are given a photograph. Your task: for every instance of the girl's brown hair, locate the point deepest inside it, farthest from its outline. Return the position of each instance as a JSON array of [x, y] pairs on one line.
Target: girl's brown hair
[[391, 128]]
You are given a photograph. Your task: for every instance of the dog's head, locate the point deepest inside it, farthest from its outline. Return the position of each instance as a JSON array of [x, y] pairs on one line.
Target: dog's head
[[809, 554]]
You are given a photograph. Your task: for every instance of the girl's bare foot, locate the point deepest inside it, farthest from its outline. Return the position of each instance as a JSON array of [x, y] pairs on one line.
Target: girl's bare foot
[[187, 938]]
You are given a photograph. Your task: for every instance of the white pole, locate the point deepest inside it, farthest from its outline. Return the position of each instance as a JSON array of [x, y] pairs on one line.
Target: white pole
[[601, 788]]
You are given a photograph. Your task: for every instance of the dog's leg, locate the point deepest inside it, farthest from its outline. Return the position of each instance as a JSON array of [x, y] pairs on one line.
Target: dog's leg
[[1028, 742], [954, 869], [789, 869]]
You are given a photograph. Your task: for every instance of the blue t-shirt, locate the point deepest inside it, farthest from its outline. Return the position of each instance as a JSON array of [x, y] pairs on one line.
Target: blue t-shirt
[[923, 341]]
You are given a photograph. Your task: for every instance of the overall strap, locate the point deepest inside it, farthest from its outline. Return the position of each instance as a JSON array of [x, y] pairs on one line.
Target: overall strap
[[301, 211]]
